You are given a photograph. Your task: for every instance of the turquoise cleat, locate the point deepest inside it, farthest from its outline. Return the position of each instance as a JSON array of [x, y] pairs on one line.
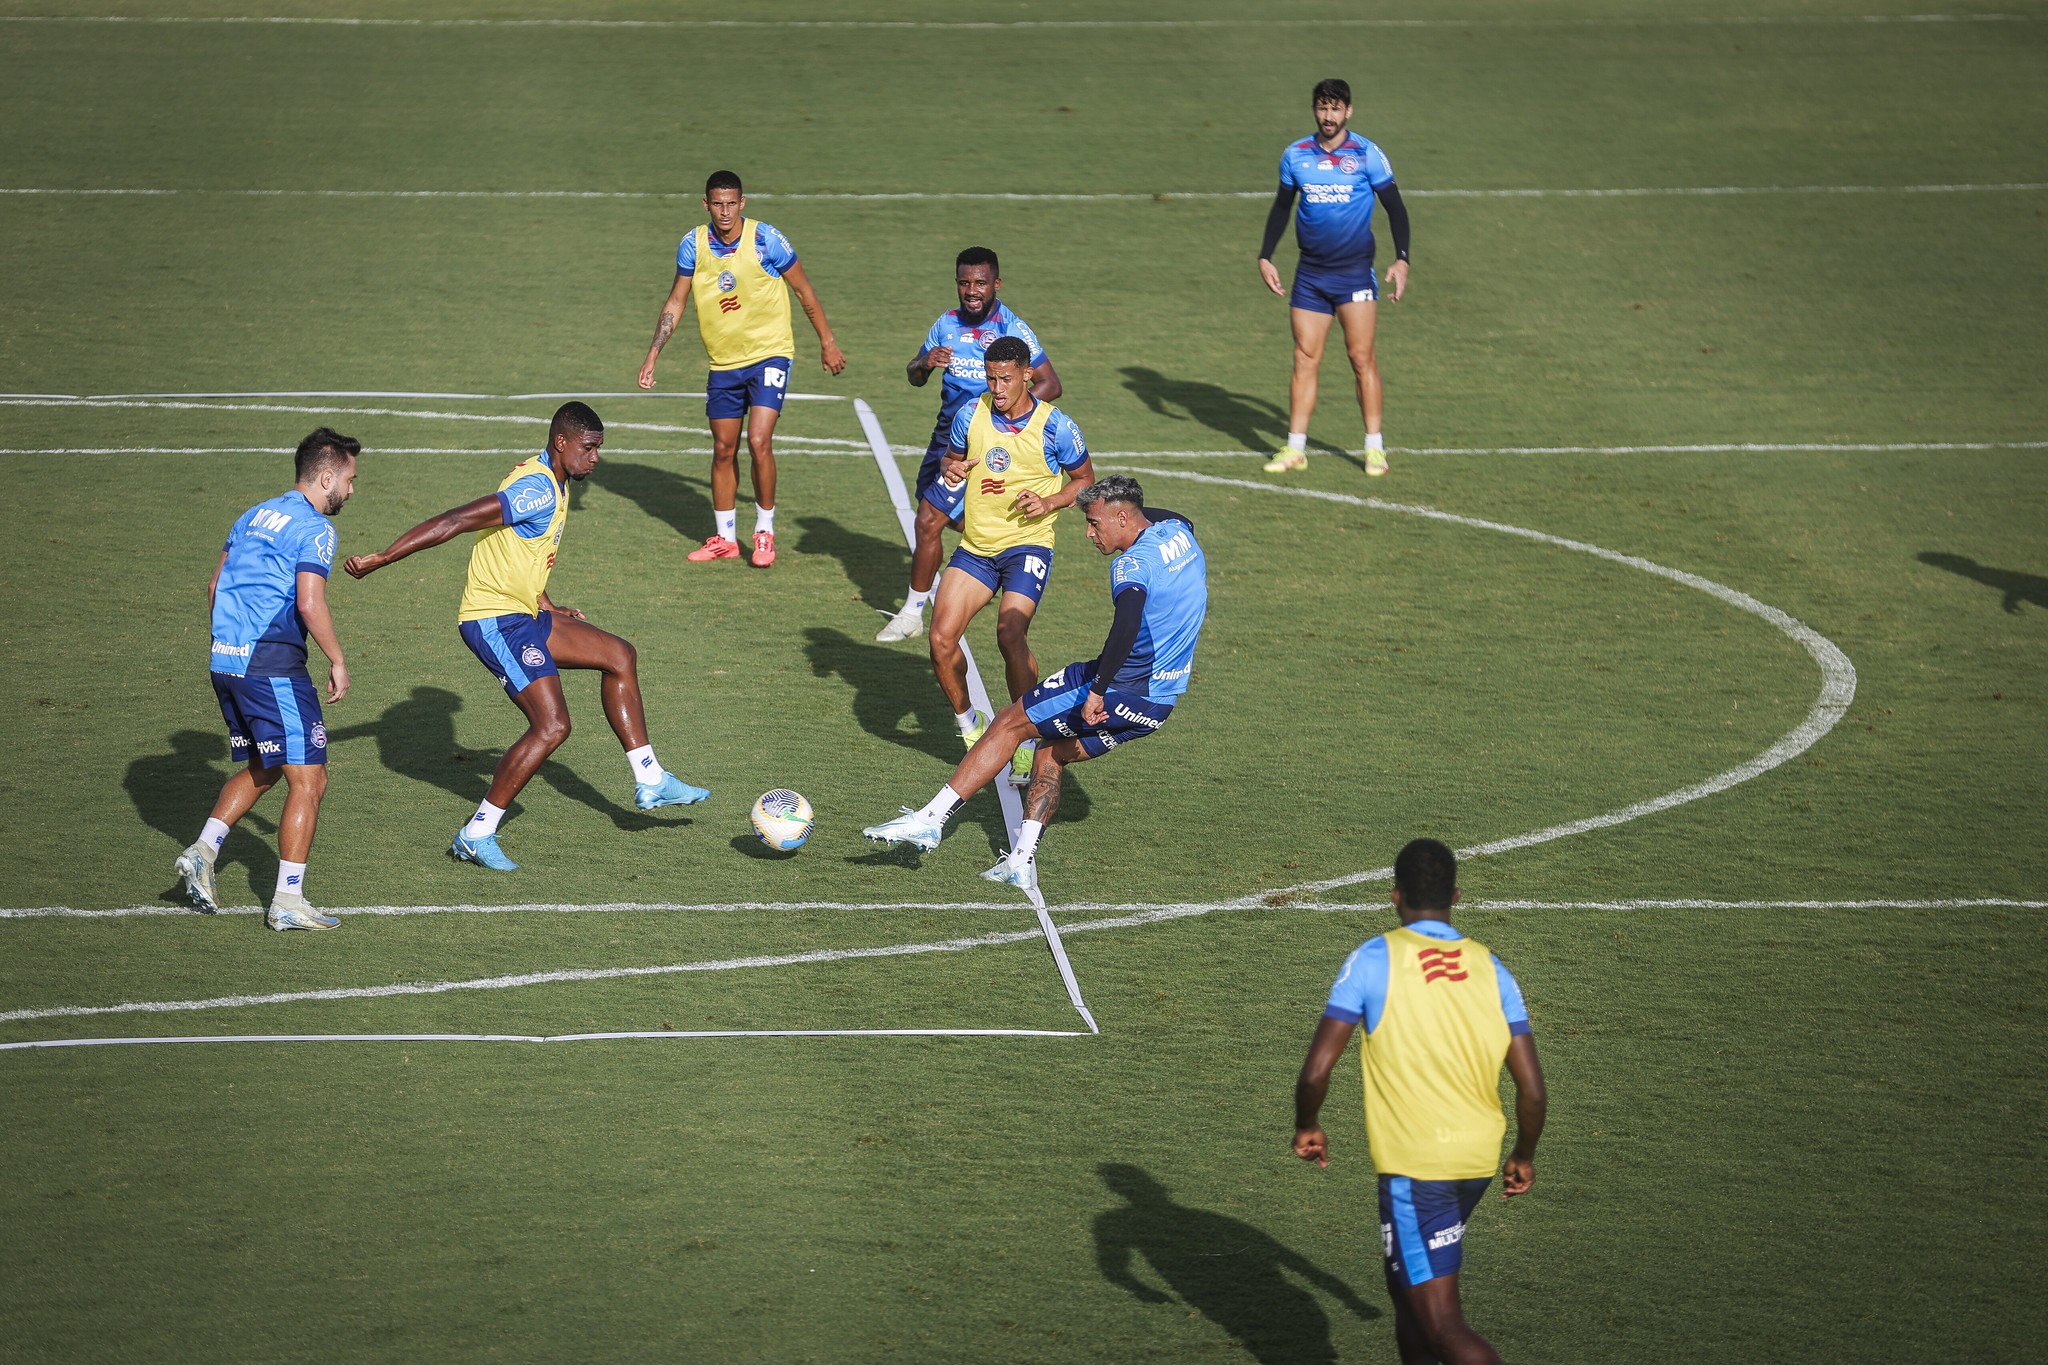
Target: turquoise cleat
[[1024, 878], [195, 865], [483, 852], [907, 828], [670, 791]]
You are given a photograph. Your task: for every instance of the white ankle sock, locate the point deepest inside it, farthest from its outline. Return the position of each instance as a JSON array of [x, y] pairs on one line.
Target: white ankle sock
[[917, 599], [942, 806], [1297, 440], [646, 767], [728, 522], [214, 835], [1027, 842], [291, 879], [965, 720], [485, 822], [764, 520], [1372, 441]]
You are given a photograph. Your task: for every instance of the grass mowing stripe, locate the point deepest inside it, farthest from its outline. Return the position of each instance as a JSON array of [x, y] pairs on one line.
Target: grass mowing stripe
[[1022, 24], [1052, 196]]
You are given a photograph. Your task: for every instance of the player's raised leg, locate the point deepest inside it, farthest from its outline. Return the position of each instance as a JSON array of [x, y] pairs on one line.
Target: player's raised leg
[[1360, 322], [988, 756], [961, 595], [578, 644]]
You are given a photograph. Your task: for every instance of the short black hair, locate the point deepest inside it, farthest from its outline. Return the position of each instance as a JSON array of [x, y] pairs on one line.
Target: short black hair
[[572, 419], [1426, 875], [324, 447], [1331, 89], [1012, 349], [723, 180], [979, 255], [1115, 488]]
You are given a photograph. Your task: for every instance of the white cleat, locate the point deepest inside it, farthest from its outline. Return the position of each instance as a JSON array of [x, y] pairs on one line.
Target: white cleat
[[195, 865], [1024, 878], [908, 828], [292, 912], [908, 621]]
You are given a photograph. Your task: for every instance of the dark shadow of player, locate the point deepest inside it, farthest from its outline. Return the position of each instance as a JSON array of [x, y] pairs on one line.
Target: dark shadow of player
[[173, 792], [675, 500], [2018, 587], [879, 568], [1227, 1270], [1257, 424]]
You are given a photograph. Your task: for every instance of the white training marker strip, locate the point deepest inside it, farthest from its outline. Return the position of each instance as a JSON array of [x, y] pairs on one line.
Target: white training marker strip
[[973, 25]]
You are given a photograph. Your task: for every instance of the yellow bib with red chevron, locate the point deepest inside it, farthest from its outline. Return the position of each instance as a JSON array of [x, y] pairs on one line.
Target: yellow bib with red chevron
[[742, 310], [1011, 461], [507, 571], [1432, 1067]]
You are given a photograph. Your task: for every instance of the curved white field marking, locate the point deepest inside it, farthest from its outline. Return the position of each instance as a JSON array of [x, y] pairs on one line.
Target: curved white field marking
[[555, 1038], [1649, 21], [1838, 675]]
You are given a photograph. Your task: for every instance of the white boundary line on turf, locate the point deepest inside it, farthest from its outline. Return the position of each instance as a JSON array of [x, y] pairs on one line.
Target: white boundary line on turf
[[1027, 196], [1645, 21], [557, 1037]]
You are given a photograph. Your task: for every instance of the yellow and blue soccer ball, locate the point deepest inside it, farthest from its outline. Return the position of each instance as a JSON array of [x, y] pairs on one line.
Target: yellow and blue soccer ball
[[782, 819]]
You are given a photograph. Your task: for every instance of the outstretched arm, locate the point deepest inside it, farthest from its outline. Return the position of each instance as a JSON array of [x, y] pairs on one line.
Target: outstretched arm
[[473, 516], [815, 311], [320, 624], [1532, 1104], [665, 325], [1313, 1086]]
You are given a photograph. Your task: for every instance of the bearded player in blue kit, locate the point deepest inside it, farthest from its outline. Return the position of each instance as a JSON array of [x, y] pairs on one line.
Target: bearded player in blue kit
[[1159, 584], [1338, 176], [955, 346]]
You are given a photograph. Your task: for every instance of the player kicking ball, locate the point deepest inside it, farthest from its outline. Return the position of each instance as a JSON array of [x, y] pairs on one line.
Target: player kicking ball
[[1159, 587], [523, 638]]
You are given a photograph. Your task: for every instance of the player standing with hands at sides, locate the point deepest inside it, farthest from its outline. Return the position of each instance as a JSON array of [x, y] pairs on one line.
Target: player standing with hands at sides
[[1159, 583], [743, 314], [1338, 175], [523, 638], [268, 591], [955, 345], [1440, 1013], [1017, 462]]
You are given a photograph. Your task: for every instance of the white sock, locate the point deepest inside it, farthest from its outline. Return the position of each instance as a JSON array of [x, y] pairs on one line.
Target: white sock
[[214, 835], [291, 879], [941, 807], [646, 767], [1372, 441], [965, 720], [764, 520], [728, 522], [917, 599], [1027, 842], [1297, 440], [484, 823]]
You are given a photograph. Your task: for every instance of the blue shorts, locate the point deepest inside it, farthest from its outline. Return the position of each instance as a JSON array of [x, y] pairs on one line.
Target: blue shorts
[[1322, 291], [514, 648], [276, 718], [1054, 706], [729, 393], [930, 486], [1422, 1225], [1021, 568]]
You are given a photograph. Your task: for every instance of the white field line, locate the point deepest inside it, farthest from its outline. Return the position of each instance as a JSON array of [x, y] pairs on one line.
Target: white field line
[[556, 1038], [1050, 197], [1334, 22]]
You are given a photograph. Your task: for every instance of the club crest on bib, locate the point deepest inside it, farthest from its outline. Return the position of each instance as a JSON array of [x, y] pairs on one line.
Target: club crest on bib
[[727, 282], [532, 657], [997, 460]]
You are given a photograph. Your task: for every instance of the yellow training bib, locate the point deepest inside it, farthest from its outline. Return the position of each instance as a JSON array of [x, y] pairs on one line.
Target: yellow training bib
[[508, 571], [742, 310], [1011, 461]]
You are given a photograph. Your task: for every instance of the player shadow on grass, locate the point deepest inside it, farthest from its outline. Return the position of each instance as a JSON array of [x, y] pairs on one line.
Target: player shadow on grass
[[1257, 424], [676, 500], [416, 740], [879, 568], [173, 792], [2018, 587], [1226, 1270]]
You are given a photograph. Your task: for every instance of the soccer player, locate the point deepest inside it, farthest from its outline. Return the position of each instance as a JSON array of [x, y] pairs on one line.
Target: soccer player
[[268, 591], [955, 345], [1440, 1012], [1159, 584], [743, 316], [1338, 175], [523, 638], [1033, 462]]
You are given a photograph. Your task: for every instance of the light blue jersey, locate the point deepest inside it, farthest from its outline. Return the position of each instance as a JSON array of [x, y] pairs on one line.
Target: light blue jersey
[[1169, 565], [966, 378], [1065, 447], [1333, 217], [1360, 995], [257, 631], [773, 249]]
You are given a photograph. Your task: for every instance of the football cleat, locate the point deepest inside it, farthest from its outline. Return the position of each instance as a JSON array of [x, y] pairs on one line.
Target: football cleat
[[908, 828], [288, 911], [1024, 878], [977, 726], [195, 865], [764, 549], [1020, 763], [1375, 463], [1288, 461], [905, 623], [484, 852], [714, 547], [670, 791]]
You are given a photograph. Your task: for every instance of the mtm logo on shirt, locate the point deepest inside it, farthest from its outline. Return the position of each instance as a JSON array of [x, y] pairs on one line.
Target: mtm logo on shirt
[[1441, 964]]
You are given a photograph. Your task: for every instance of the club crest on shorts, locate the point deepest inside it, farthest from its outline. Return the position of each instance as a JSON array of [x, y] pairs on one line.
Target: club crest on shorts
[[532, 657], [726, 282], [319, 736], [997, 460]]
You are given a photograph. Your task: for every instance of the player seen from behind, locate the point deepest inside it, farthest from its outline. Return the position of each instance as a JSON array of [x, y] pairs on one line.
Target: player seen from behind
[[1338, 176], [743, 316], [1159, 586], [1440, 1014], [268, 591], [523, 638], [955, 345]]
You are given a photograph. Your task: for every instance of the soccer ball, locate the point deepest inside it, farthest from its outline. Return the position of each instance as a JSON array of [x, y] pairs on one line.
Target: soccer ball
[[781, 819]]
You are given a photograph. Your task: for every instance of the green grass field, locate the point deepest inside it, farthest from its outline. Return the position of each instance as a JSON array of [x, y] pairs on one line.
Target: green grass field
[[1783, 1127]]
